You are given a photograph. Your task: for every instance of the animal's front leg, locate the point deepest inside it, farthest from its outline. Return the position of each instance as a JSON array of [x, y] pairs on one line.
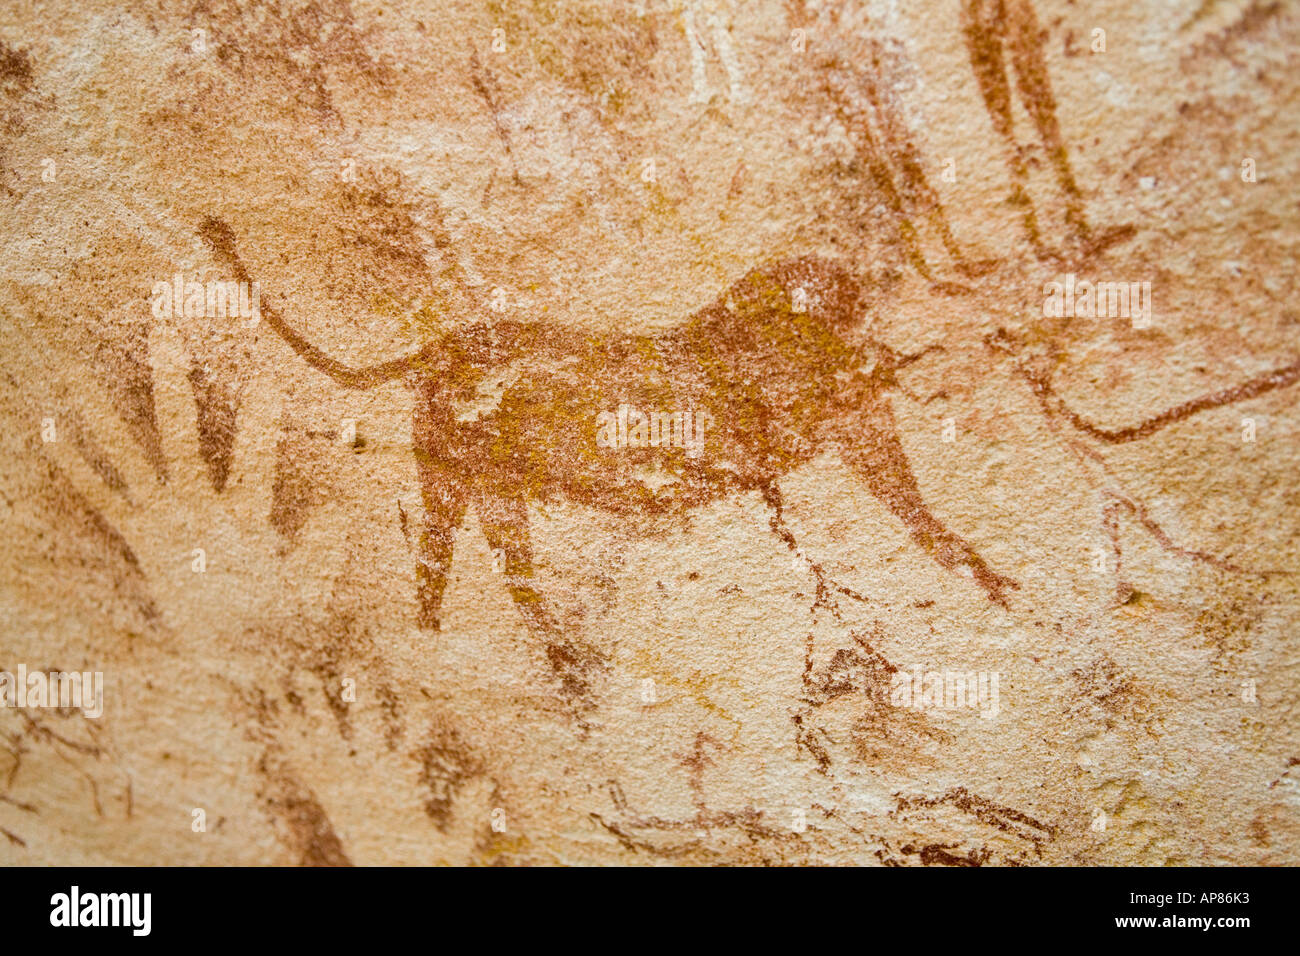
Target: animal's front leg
[[505, 525], [871, 447]]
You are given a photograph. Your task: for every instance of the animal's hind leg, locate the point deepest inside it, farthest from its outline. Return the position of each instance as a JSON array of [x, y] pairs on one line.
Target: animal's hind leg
[[444, 506], [874, 452], [985, 27], [443, 490], [505, 525], [1025, 45]]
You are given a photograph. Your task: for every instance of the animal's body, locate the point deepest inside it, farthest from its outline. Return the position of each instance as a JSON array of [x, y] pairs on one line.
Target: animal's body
[[771, 370]]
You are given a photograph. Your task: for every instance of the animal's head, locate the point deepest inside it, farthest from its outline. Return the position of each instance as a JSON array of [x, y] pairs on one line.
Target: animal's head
[[791, 327]]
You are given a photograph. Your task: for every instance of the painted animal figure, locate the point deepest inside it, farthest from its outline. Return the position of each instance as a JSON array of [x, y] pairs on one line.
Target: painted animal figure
[[769, 374]]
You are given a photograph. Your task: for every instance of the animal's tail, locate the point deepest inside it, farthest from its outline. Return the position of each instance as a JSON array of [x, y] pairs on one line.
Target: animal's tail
[[220, 238]]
